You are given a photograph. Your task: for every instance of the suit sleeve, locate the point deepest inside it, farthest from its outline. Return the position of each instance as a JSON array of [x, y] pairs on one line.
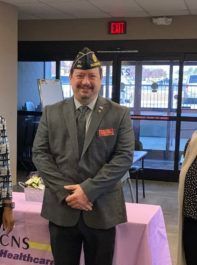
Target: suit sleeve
[[44, 162], [111, 172]]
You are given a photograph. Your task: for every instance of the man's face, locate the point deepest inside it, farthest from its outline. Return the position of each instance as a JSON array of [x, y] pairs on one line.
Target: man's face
[[86, 84]]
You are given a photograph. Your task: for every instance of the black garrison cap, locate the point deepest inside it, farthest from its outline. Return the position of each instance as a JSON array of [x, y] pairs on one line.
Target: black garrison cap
[[86, 59]]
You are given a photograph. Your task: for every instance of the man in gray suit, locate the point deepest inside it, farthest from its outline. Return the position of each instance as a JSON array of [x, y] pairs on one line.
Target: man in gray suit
[[83, 198]]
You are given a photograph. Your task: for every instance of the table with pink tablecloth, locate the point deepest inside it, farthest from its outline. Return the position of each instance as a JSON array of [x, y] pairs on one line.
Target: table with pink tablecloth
[[140, 241]]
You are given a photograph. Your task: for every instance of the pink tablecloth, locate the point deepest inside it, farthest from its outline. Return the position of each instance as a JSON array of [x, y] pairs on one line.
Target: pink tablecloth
[[140, 241]]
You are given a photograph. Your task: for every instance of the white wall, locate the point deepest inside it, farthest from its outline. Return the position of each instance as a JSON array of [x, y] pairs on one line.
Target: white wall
[[8, 75], [182, 27]]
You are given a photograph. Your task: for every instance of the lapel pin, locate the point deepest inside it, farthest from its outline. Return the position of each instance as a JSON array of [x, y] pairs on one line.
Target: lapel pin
[[100, 108]]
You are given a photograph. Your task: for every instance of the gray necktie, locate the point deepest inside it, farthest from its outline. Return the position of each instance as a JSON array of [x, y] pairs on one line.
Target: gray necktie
[[81, 126]]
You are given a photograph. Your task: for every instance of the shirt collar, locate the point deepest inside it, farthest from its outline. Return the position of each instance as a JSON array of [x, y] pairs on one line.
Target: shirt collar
[[91, 105]]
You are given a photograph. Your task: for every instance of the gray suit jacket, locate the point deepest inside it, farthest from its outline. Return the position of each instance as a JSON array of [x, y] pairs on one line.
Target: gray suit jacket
[[106, 156]]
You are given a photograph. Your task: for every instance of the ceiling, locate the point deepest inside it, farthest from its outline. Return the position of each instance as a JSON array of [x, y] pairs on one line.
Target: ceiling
[[77, 9]]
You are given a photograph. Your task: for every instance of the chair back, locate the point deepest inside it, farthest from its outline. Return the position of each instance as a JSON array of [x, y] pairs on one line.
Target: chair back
[[138, 145]]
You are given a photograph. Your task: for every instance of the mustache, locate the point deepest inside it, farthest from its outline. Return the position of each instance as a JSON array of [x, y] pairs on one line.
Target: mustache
[[85, 86]]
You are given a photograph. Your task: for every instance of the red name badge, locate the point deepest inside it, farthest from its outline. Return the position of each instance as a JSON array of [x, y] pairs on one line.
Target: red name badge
[[106, 132]]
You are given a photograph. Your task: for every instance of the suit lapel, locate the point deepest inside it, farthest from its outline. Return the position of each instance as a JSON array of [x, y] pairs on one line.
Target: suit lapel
[[70, 120], [97, 115]]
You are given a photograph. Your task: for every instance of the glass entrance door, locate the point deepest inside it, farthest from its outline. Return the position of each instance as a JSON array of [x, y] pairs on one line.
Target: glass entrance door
[[150, 90]]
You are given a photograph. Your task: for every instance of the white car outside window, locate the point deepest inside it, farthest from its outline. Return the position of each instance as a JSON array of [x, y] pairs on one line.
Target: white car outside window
[[190, 92]]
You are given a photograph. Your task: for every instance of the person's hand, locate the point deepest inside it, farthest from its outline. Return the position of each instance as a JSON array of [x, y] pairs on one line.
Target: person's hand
[[8, 220], [77, 199]]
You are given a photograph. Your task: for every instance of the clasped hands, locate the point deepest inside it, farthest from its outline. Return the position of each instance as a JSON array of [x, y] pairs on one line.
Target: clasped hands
[[77, 199]]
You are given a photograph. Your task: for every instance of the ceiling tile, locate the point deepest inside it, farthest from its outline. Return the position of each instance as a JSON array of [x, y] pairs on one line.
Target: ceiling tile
[[16, 2], [192, 5], [42, 11], [123, 8], [26, 16], [158, 13], [67, 9], [82, 10], [127, 13], [111, 5], [151, 5], [194, 11]]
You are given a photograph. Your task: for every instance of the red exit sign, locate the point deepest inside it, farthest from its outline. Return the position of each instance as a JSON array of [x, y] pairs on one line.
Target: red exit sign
[[117, 27]]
